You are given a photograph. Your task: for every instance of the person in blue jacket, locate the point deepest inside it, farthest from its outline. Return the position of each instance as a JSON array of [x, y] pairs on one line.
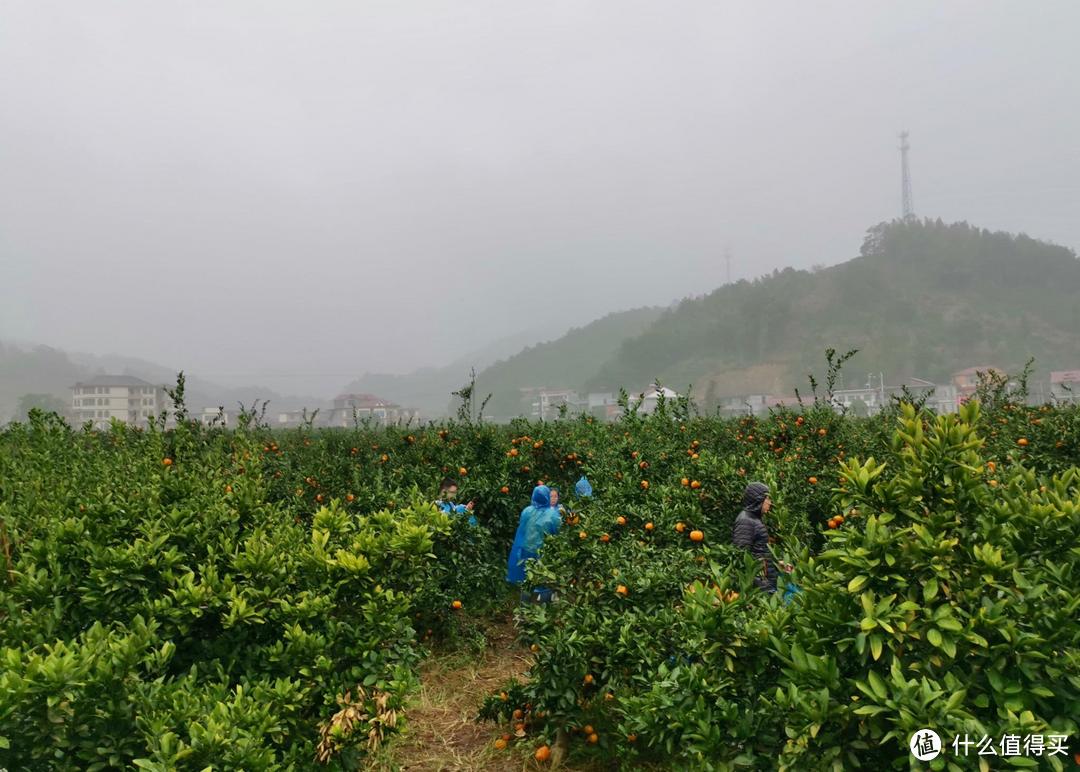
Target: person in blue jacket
[[537, 521], [447, 492]]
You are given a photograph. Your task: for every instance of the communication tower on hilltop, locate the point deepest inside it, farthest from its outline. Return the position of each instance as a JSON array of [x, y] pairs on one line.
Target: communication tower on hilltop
[[906, 205]]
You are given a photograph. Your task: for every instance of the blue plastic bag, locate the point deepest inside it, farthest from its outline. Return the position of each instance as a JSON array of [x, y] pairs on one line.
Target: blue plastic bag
[[583, 488], [791, 591]]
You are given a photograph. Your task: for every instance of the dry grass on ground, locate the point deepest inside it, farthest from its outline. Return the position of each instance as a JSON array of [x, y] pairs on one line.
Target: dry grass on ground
[[442, 733]]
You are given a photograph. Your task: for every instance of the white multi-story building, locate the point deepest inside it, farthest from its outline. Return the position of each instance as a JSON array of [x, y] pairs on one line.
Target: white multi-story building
[[123, 397], [651, 398], [211, 416], [1065, 386], [350, 408], [850, 399], [551, 401]]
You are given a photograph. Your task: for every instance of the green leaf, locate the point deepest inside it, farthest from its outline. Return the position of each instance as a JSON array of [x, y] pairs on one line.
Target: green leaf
[[878, 685], [858, 583], [934, 637], [875, 646], [930, 589]]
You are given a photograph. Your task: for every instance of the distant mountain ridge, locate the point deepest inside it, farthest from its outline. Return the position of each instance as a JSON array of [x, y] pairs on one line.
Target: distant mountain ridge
[[922, 299], [40, 369], [567, 362]]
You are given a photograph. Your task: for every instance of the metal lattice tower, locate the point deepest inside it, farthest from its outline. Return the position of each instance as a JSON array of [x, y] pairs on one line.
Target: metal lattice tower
[[906, 203]]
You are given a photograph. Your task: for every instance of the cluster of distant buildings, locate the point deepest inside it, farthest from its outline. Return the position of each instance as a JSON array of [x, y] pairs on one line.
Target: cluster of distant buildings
[[548, 404], [134, 401], [1064, 388]]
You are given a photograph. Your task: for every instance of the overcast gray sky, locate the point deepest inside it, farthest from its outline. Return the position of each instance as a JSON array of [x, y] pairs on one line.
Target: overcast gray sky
[[257, 189]]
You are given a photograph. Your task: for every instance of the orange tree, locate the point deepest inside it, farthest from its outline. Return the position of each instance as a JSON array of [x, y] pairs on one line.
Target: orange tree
[[938, 561], [943, 601], [161, 609]]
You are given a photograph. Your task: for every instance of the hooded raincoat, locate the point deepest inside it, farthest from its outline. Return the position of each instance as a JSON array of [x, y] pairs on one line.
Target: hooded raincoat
[[750, 534], [537, 521]]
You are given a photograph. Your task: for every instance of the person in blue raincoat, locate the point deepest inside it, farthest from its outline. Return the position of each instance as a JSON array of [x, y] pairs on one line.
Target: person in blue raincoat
[[537, 521], [445, 502]]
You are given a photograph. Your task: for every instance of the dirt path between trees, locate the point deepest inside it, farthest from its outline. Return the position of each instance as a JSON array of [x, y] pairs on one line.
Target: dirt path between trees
[[442, 732]]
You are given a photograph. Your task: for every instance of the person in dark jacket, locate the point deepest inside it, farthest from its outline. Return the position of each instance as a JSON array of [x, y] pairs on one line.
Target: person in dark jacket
[[751, 534]]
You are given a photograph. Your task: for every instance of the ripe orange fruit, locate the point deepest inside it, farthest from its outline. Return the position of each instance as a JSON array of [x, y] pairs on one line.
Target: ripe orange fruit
[[822, 432], [534, 648], [993, 483], [991, 467], [833, 523], [1022, 442], [583, 535], [228, 489], [799, 421], [593, 738], [587, 729], [513, 452], [588, 678], [518, 714], [462, 471], [504, 696], [609, 696], [384, 458], [645, 485], [319, 498], [543, 753], [350, 497], [694, 456], [631, 738], [697, 536], [839, 519], [813, 481], [456, 605], [680, 527], [504, 489], [695, 484], [621, 590], [620, 520], [500, 744], [684, 482], [605, 538], [166, 461], [538, 444], [649, 526]]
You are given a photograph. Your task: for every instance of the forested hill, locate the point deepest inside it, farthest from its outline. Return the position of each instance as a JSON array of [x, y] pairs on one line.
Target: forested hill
[[567, 362], [923, 299]]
